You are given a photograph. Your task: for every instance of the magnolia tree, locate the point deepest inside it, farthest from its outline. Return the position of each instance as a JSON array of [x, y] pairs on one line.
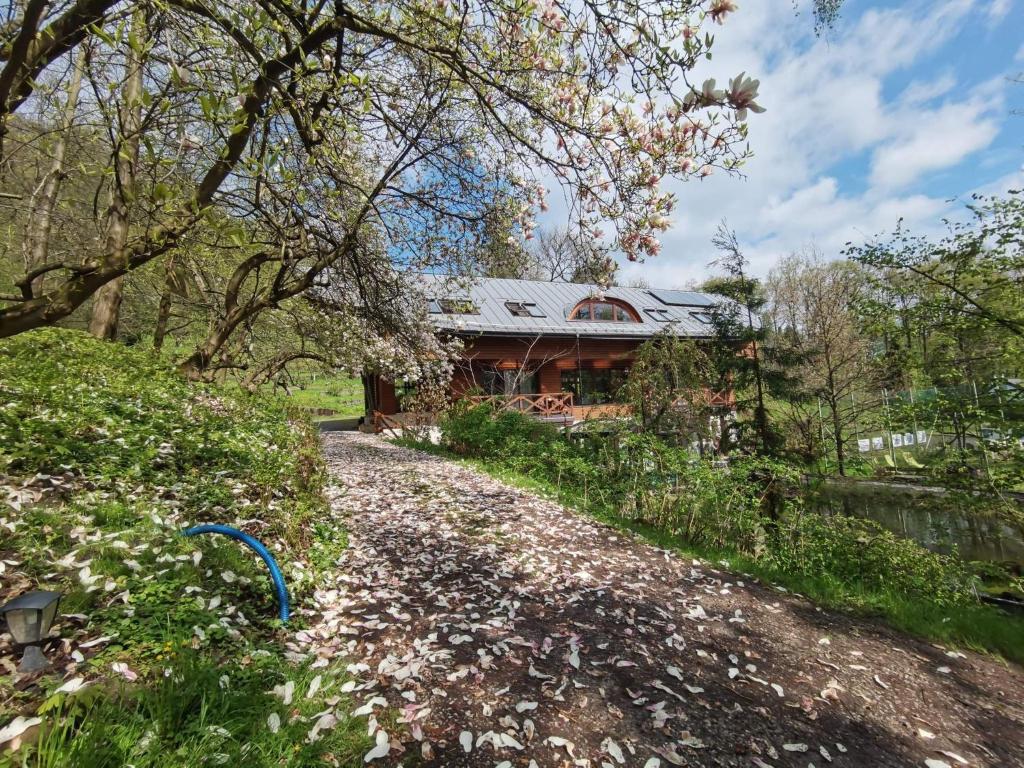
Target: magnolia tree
[[312, 143]]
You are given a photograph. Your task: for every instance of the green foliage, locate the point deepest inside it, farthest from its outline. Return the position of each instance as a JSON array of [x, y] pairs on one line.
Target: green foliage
[[481, 431], [667, 386], [196, 712], [753, 507], [138, 454], [862, 552], [946, 316]]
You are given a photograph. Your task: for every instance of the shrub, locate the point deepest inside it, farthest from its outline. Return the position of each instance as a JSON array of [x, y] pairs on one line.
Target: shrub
[[861, 552], [479, 430], [754, 507]]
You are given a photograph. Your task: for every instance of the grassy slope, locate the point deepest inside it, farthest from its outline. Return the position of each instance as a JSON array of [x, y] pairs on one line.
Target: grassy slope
[[342, 394], [137, 454], [977, 627]]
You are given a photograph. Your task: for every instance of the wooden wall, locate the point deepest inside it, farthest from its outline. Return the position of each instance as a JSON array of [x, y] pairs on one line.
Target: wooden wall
[[514, 351], [553, 354]]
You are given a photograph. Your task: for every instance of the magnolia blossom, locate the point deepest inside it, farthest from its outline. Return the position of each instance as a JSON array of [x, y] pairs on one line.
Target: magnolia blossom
[[720, 9], [742, 92]]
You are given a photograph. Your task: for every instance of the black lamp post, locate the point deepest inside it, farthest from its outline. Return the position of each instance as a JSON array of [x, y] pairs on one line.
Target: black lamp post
[[29, 617]]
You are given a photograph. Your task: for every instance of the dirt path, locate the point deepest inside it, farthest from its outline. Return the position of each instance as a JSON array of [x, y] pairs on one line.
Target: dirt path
[[508, 631]]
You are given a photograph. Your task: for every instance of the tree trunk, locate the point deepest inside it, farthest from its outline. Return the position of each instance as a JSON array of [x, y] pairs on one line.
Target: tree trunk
[[40, 218], [163, 312], [195, 365], [106, 308], [837, 428], [163, 315]]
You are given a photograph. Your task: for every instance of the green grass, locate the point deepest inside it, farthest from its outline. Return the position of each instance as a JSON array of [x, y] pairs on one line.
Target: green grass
[[198, 713], [142, 454], [342, 394], [975, 626]]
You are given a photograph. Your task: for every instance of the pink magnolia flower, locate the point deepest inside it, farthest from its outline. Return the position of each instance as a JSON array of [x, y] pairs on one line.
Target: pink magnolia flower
[[720, 9]]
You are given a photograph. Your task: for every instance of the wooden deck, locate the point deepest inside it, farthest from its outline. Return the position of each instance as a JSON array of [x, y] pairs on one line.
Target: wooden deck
[[555, 407]]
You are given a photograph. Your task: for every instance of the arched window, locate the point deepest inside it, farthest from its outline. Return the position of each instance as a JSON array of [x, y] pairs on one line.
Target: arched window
[[604, 311]]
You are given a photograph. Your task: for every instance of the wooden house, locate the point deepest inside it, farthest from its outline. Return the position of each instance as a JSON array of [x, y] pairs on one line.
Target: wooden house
[[558, 351]]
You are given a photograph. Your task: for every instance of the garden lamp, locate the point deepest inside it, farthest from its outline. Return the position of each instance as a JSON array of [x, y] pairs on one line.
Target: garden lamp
[[29, 618]]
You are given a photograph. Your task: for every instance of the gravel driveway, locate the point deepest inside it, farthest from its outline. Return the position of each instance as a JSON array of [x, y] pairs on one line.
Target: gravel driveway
[[507, 631]]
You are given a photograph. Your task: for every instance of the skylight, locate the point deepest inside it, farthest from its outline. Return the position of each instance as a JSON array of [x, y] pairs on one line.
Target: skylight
[[681, 298], [661, 315], [523, 309], [457, 306]]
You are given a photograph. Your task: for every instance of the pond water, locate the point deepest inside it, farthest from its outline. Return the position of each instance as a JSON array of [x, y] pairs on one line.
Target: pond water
[[938, 522]]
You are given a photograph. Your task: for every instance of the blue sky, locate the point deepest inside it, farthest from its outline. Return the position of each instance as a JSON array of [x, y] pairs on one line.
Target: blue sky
[[900, 108]]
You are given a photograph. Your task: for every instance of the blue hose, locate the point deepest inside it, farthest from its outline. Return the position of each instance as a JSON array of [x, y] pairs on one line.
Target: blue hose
[[259, 549]]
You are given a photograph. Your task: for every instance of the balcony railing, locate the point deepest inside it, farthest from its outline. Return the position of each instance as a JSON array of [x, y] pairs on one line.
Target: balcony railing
[[544, 406], [560, 404], [725, 398]]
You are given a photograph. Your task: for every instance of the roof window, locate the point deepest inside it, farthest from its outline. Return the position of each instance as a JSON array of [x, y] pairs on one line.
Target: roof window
[[660, 315], [523, 309], [456, 306], [604, 311]]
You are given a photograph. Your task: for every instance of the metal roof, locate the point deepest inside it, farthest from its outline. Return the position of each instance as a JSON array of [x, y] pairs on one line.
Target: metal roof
[[684, 298], [556, 301]]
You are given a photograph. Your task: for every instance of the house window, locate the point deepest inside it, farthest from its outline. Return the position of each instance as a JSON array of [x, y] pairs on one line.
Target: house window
[[660, 315], [702, 317], [593, 386], [508, 382], [604, 311], [405, 391], [457, 306], [523, 309]]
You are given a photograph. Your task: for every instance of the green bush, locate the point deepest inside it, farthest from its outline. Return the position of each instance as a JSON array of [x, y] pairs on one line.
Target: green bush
[[753, 507], [479, 430], [862, 552]]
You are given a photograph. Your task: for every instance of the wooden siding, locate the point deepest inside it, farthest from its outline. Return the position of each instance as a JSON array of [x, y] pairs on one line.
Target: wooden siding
[[517, 350], [551, 355], [387, 400]]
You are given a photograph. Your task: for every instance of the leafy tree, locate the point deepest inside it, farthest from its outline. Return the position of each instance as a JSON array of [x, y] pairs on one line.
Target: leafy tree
[[667, 387], [960, 298], [813, 302], [958, 303], [314, 143], [974, 274], [739, 336]]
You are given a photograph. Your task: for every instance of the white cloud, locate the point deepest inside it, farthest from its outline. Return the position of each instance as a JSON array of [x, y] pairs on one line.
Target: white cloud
[[923, 91], [997, 11], [832, 111], [934, 139]]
